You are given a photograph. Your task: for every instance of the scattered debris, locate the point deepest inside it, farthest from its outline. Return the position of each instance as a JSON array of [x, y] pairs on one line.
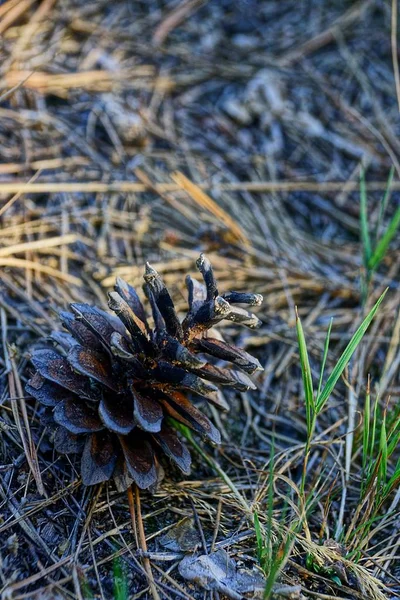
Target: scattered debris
[[217, 571]]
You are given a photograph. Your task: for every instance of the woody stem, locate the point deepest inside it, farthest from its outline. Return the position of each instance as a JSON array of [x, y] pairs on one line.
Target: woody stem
[[140, 537]]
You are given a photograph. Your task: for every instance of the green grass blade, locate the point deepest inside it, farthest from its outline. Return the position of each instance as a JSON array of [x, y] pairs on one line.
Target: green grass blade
[[346, 356], [259, 539], [324, 357], [374, 427], [305, 371], [384, 203], [393, 436], [384, 242], [270, 507], [394, 480], [279, 560], [383, 451], [120, 580], [365, 239]]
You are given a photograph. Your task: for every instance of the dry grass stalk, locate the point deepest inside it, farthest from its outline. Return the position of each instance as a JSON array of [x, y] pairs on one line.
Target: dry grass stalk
[[17, 399], [96, 81], [257, 187]]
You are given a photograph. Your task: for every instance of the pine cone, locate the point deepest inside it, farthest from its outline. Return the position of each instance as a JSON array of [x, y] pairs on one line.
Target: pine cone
[[112, 381]]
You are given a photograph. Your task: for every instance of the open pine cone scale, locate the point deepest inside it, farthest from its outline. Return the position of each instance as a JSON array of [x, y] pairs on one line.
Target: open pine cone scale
[[112, 381]]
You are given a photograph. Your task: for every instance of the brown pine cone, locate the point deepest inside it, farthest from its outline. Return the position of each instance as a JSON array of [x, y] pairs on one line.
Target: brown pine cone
[[112, 381]]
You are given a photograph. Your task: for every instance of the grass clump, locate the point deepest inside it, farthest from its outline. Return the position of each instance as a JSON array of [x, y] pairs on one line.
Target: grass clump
[[315, 402]]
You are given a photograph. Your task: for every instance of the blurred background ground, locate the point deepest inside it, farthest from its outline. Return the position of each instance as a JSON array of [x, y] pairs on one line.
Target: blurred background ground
[[115, 117]]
